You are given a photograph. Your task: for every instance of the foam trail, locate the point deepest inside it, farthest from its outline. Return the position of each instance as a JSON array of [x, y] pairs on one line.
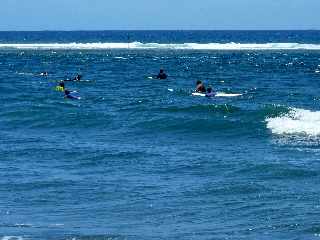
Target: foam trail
[[297, 121], [184, 46]]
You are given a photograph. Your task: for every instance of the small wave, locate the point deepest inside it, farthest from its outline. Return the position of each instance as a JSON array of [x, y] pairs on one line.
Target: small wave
[[272, 171], [97, 237], [22, 73], [297, 121], [23, 225], [182, 46], [12, 238], [214, 108]]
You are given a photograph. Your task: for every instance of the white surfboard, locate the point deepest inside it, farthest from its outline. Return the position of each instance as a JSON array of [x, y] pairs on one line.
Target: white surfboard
[[218, 94], [198, 94], [222, 94]]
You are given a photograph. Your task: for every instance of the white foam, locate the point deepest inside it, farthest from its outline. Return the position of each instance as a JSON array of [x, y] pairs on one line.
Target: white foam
[[183, 46], [297, 121], [23, 225], [121, 58], [57, 225], [11, 238]]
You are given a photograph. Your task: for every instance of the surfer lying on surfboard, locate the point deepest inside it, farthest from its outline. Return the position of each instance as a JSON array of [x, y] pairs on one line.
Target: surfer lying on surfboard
[[76, 78], [45, 74], [162, 75], [200, 88], [210, 92]]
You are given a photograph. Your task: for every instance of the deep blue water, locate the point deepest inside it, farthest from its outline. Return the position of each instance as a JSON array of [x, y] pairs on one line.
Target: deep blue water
[[311, 36], [134, 160]]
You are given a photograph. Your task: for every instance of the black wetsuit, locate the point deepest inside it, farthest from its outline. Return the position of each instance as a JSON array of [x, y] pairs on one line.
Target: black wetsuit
[[162, 76]]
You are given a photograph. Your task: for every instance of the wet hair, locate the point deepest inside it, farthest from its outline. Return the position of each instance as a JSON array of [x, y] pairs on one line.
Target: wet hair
[[198, 82], [67, 92], [161, 70]]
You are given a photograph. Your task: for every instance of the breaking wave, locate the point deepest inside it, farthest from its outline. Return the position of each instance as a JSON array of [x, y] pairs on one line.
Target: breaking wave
[[297, 121]]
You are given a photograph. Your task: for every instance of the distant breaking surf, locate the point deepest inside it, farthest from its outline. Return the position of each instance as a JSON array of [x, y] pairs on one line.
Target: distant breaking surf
[[297, 121], [183, 46]]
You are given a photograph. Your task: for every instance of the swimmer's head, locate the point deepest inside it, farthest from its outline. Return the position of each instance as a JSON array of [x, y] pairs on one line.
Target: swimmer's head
[[199, 82], [161, 70], [67, 92]]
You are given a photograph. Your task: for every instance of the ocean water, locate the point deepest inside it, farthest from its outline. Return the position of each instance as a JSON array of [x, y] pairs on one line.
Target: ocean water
[[139, 158]]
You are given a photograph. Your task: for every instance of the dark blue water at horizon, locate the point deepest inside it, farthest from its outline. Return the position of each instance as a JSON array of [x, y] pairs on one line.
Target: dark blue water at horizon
[[139, 158], [162, 36]]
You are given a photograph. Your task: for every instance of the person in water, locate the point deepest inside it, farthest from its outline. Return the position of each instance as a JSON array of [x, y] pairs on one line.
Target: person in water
[[61, 86], [77, 78], [162, 74], [67, 93], [200, 87], [210, 92], [45, 74]]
